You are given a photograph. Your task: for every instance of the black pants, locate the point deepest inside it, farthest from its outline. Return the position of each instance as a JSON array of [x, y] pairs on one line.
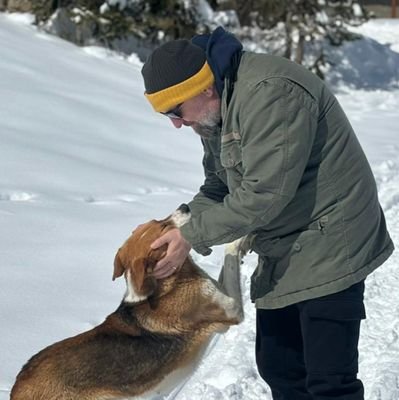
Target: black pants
[[309, 350]]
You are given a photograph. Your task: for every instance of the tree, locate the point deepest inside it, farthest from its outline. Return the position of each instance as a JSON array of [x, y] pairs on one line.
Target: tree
[[300, 24]]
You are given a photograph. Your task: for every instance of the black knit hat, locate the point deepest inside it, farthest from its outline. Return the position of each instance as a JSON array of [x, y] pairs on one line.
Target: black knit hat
[[174, 73]]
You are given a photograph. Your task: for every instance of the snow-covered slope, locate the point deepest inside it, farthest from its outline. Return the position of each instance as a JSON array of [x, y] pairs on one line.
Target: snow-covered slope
[[83, 160]]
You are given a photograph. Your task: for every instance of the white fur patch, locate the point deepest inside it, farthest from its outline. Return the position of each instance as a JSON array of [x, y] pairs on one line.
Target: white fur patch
[[179, 218], [218, 297], [227, 303], [131, 295], [234, 248]]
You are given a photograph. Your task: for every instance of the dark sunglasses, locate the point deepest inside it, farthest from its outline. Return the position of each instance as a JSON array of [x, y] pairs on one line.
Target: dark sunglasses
[[174, 112]]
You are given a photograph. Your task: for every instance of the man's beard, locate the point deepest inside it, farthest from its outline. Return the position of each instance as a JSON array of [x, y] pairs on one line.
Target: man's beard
[[209, 126]]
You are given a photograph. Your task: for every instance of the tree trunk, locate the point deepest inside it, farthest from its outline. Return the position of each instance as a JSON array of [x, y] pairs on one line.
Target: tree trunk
[[288, 36], [300, 49]]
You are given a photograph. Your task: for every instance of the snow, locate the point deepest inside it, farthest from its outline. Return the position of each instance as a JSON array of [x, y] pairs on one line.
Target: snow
[[363, 64], [383, 31], [84, 160]]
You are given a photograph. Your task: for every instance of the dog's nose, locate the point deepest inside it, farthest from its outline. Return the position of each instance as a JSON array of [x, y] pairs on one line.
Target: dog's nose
[[184, 208]]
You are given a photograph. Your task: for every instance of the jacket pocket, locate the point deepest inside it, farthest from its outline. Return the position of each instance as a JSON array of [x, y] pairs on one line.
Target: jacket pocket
[[230, 154], [331, 325], [231, 160], [281, 246]]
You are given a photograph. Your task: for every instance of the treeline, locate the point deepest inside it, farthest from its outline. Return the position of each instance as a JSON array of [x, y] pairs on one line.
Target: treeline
[[296, 29]]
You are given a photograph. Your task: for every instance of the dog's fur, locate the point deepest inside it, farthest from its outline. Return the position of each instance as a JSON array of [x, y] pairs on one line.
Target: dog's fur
[[153, 339]]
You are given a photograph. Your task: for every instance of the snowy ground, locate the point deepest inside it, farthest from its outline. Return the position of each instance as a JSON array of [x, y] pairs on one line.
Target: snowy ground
[[84, 160]]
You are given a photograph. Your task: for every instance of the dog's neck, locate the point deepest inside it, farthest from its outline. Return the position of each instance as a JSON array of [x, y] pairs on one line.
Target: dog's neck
[[144, 315], [182, 275], [166, 286]]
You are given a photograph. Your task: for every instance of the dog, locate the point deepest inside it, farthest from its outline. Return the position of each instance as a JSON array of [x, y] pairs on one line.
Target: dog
[[149, 344]]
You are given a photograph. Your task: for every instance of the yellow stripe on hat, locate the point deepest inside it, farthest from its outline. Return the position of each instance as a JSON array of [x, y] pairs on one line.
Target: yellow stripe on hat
[[166, 99]]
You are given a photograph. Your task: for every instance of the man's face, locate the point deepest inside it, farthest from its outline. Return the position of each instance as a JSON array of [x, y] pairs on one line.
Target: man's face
[[208, 124], [201, 113]]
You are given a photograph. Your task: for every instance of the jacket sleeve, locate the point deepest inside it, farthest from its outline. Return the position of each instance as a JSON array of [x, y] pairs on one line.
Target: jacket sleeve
[[278, 123], [213, 190]]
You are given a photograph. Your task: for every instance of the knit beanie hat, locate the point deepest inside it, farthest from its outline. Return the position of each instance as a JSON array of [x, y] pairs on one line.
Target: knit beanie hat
[[174, 73]]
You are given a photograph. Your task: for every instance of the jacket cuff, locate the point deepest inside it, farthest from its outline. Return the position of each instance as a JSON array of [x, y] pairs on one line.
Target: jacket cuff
[[203, 250], [187, 233]]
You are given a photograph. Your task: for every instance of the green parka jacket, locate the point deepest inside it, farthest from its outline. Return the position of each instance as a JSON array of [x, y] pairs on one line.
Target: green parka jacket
[[288, 167]]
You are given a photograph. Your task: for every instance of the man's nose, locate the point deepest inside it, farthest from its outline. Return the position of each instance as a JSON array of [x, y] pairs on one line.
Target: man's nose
[[179, 122]]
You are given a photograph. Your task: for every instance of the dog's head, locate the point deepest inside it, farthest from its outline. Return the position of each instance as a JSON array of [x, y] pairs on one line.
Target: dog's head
[[136, 259]]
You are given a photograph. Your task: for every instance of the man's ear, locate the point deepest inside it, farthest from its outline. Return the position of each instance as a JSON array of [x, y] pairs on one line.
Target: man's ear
[[210, 91], [119, 268]]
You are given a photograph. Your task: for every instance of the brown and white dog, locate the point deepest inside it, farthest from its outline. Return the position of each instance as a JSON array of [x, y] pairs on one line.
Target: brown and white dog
[[148, 345]]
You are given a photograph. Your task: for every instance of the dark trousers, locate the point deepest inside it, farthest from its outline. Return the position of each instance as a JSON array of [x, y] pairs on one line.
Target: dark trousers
[[309, 350]]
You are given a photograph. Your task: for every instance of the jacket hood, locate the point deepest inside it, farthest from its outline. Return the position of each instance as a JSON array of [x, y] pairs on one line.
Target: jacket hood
[[221, 48]]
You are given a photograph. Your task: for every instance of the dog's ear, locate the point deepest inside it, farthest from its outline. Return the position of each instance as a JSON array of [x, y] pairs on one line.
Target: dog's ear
[[144, 281], [138, 273], [143, 268], [119, 268]]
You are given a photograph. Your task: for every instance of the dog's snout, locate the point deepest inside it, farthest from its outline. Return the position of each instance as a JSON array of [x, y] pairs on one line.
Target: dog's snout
[[184, 208], [181, 216]]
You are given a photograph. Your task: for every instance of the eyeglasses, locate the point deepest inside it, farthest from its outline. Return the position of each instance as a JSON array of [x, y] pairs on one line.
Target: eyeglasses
[[174, 112]]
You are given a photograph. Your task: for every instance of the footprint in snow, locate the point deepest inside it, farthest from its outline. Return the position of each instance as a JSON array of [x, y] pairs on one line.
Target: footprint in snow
[[125, 198], [17, 196]]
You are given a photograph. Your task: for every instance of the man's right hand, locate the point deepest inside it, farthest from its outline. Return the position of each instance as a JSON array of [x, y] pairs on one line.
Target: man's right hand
[[178, 251]]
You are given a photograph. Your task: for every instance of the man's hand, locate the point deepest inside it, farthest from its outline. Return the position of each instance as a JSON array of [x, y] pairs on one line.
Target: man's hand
[[178, 250]]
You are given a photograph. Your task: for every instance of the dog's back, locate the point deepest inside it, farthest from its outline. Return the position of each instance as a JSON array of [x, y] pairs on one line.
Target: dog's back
[[101, 363]]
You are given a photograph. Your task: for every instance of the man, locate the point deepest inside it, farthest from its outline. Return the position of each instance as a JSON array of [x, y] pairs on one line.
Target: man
[[281, 162]]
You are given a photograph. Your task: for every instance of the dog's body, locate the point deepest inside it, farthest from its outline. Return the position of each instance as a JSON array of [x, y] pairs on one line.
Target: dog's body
[[147, 345]]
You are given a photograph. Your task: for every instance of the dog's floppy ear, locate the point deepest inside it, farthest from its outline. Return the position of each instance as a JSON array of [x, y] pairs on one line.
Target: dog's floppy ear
[[139, 272], [119, 268], [143, 268], [144, 282]]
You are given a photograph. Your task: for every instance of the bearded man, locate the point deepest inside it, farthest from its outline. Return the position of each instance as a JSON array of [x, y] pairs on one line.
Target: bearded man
[[283, 164]]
